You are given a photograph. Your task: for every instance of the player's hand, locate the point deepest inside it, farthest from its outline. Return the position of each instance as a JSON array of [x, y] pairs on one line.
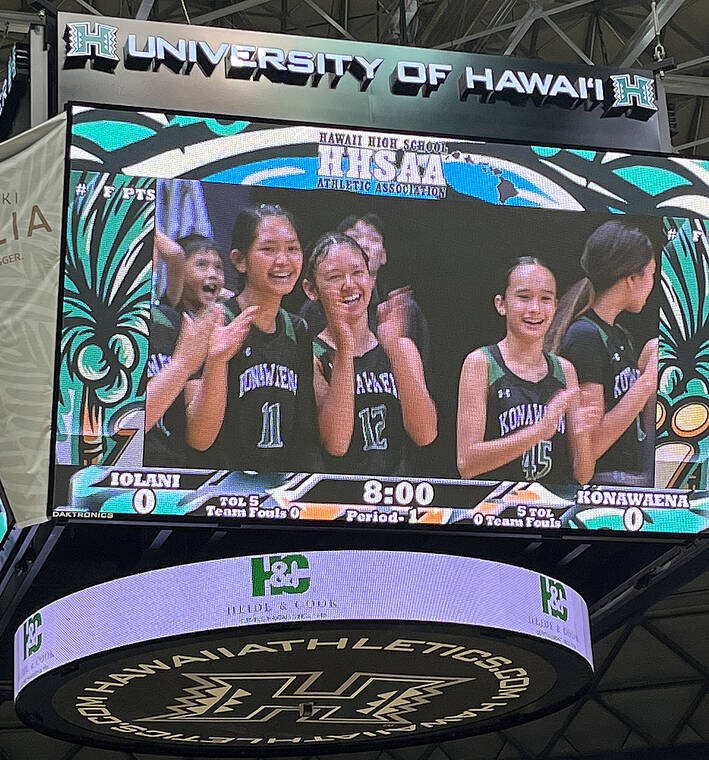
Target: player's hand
[[587, 415], [649, 356], [556, 408], [226, 340], [393, 316], [191, 348], [338, 325], [648, 366]]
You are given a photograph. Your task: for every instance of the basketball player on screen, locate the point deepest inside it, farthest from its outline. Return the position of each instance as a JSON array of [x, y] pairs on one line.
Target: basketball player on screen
[[253, 408], [519, 411], [367, 230], [370, 390], [178, 349], [619, 263]]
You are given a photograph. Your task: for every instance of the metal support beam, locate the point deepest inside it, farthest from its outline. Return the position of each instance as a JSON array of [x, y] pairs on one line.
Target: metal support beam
[[680, 84], [438, 14], [244, 5], [523, 26], [39, 76], [90, 8], [697, 121], [692, 144], [144, 11], [510, 25], [691, 64], [330, 20], [591, 31], [14, 22], [645, 33], [564, 36]]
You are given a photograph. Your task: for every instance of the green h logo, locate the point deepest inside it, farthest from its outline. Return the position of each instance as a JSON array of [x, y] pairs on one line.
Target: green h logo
[[32, 638], [279, 575], [553, 596], [633, 91], [98, 41]]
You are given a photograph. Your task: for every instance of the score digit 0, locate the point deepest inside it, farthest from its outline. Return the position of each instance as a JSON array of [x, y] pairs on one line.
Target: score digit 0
[[402, 494]]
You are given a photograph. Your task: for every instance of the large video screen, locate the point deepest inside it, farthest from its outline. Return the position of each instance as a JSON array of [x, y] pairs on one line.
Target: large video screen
[[289, 322]]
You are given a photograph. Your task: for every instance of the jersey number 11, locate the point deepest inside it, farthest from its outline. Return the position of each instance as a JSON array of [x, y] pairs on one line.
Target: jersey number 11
[[271, 427]]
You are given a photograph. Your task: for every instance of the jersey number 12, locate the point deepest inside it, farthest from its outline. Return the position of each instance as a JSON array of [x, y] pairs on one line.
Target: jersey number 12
[[373, 419]]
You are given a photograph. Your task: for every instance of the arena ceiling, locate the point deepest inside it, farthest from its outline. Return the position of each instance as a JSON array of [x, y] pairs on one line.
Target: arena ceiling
[[616, 32]]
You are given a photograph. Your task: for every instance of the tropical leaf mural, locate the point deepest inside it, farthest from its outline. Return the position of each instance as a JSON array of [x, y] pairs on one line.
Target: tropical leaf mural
[[104, 340], [682, 446]]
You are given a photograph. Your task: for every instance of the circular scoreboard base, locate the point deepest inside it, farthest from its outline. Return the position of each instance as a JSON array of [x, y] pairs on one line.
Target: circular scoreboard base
[[329, 678]]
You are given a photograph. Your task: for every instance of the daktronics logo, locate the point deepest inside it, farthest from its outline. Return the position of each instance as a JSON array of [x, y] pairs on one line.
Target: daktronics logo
[[274, 575], [31, 636], [553, 596]]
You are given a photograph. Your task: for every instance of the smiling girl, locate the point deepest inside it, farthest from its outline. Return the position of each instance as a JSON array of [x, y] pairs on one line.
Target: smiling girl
[[519, 413], [370, 390], [203, 275], [253, 408]]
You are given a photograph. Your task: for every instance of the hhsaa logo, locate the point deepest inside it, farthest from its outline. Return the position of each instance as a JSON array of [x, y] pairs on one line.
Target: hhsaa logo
[[382, 165]]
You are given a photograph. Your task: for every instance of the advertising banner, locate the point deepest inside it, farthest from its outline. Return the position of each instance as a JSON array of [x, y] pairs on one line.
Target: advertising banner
[[344, 649], [31, 189]]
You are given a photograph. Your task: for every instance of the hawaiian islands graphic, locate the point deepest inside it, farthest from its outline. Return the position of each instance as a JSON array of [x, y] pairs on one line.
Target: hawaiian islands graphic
[[505, 188]]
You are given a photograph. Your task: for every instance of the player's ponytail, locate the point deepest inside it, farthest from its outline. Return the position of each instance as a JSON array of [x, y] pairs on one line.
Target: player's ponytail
[[614, 251], [577, 299]]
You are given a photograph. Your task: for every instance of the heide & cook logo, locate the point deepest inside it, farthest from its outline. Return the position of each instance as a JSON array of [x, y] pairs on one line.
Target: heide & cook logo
[[553, 596], [277, 574], [31, 635]]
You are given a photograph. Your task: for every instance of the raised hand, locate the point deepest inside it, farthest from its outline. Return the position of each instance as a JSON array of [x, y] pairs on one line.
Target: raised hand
[[393, 316], [192, 344], [649, 357], [588, 414], [226, 340], [338, 325]]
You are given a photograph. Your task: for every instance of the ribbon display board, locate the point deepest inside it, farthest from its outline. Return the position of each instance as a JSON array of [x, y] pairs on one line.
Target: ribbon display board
[[275, 654]]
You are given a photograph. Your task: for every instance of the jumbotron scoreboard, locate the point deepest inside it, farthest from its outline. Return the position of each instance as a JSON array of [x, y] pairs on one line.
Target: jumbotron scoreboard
[[451, 213]]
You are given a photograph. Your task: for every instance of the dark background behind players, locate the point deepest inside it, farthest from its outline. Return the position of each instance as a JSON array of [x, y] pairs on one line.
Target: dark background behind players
[[450, 253]]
